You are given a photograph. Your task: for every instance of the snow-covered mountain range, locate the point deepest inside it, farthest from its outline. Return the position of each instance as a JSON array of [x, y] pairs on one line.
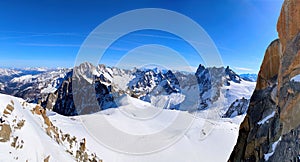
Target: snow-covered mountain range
[[48, 123], [207, 88]]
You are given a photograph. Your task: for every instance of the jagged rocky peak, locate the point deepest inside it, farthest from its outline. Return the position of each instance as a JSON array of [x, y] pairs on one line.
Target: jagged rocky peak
[[149, 80], [220, 74], [271, 129], [232, 76], [83, 91], [91, 73], [85, 69], [210, 82]]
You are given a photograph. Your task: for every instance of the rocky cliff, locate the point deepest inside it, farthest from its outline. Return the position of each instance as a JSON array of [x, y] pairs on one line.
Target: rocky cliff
[[271, 129], [81, 92]]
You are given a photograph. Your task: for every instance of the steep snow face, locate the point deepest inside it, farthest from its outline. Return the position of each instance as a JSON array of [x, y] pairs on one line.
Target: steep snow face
[[121, 79], [27, 134]]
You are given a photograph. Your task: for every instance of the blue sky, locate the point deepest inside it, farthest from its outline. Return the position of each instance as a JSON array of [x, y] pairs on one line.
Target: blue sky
[[49, 33]]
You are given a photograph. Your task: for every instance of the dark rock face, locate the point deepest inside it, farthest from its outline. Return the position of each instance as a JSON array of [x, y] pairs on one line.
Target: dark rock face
[[205, 84], [232, 76], [210, 80], [238, 107], [77, 95], [63, 100], [288, 147], [289, 98], [256, 135], [261, 127], [270, 65], [270, 131]]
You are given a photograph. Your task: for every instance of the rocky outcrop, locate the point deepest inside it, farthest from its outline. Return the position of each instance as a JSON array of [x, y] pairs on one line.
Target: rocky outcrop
[[289, 91], [238, 107], [259, 129], [271, 129], [269, 68], [256, 134], [5, 132], [288, 23], [288, 28]]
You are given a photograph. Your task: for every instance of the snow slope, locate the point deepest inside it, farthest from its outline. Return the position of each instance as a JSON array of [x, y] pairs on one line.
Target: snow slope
[[134, 117], [195, 145], [29, 141], [36, 145]]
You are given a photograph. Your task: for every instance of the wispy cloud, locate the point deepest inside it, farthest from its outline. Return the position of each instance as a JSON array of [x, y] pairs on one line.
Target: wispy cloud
[[19, 34], [114, 48], [49, 45], [243, 69]]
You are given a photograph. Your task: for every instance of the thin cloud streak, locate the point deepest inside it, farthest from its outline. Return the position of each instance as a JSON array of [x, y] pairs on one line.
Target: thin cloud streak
[[18, 34], [72, 45], [243, 69], [48, 45]]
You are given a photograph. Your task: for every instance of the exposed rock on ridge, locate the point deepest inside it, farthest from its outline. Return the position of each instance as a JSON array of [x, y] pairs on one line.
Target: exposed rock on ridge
[[288, 23], [270, 65], [270, 131], [255, 139]]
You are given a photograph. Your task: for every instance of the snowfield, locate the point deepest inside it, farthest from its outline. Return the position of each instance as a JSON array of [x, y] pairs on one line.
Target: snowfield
[[198, 140]]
